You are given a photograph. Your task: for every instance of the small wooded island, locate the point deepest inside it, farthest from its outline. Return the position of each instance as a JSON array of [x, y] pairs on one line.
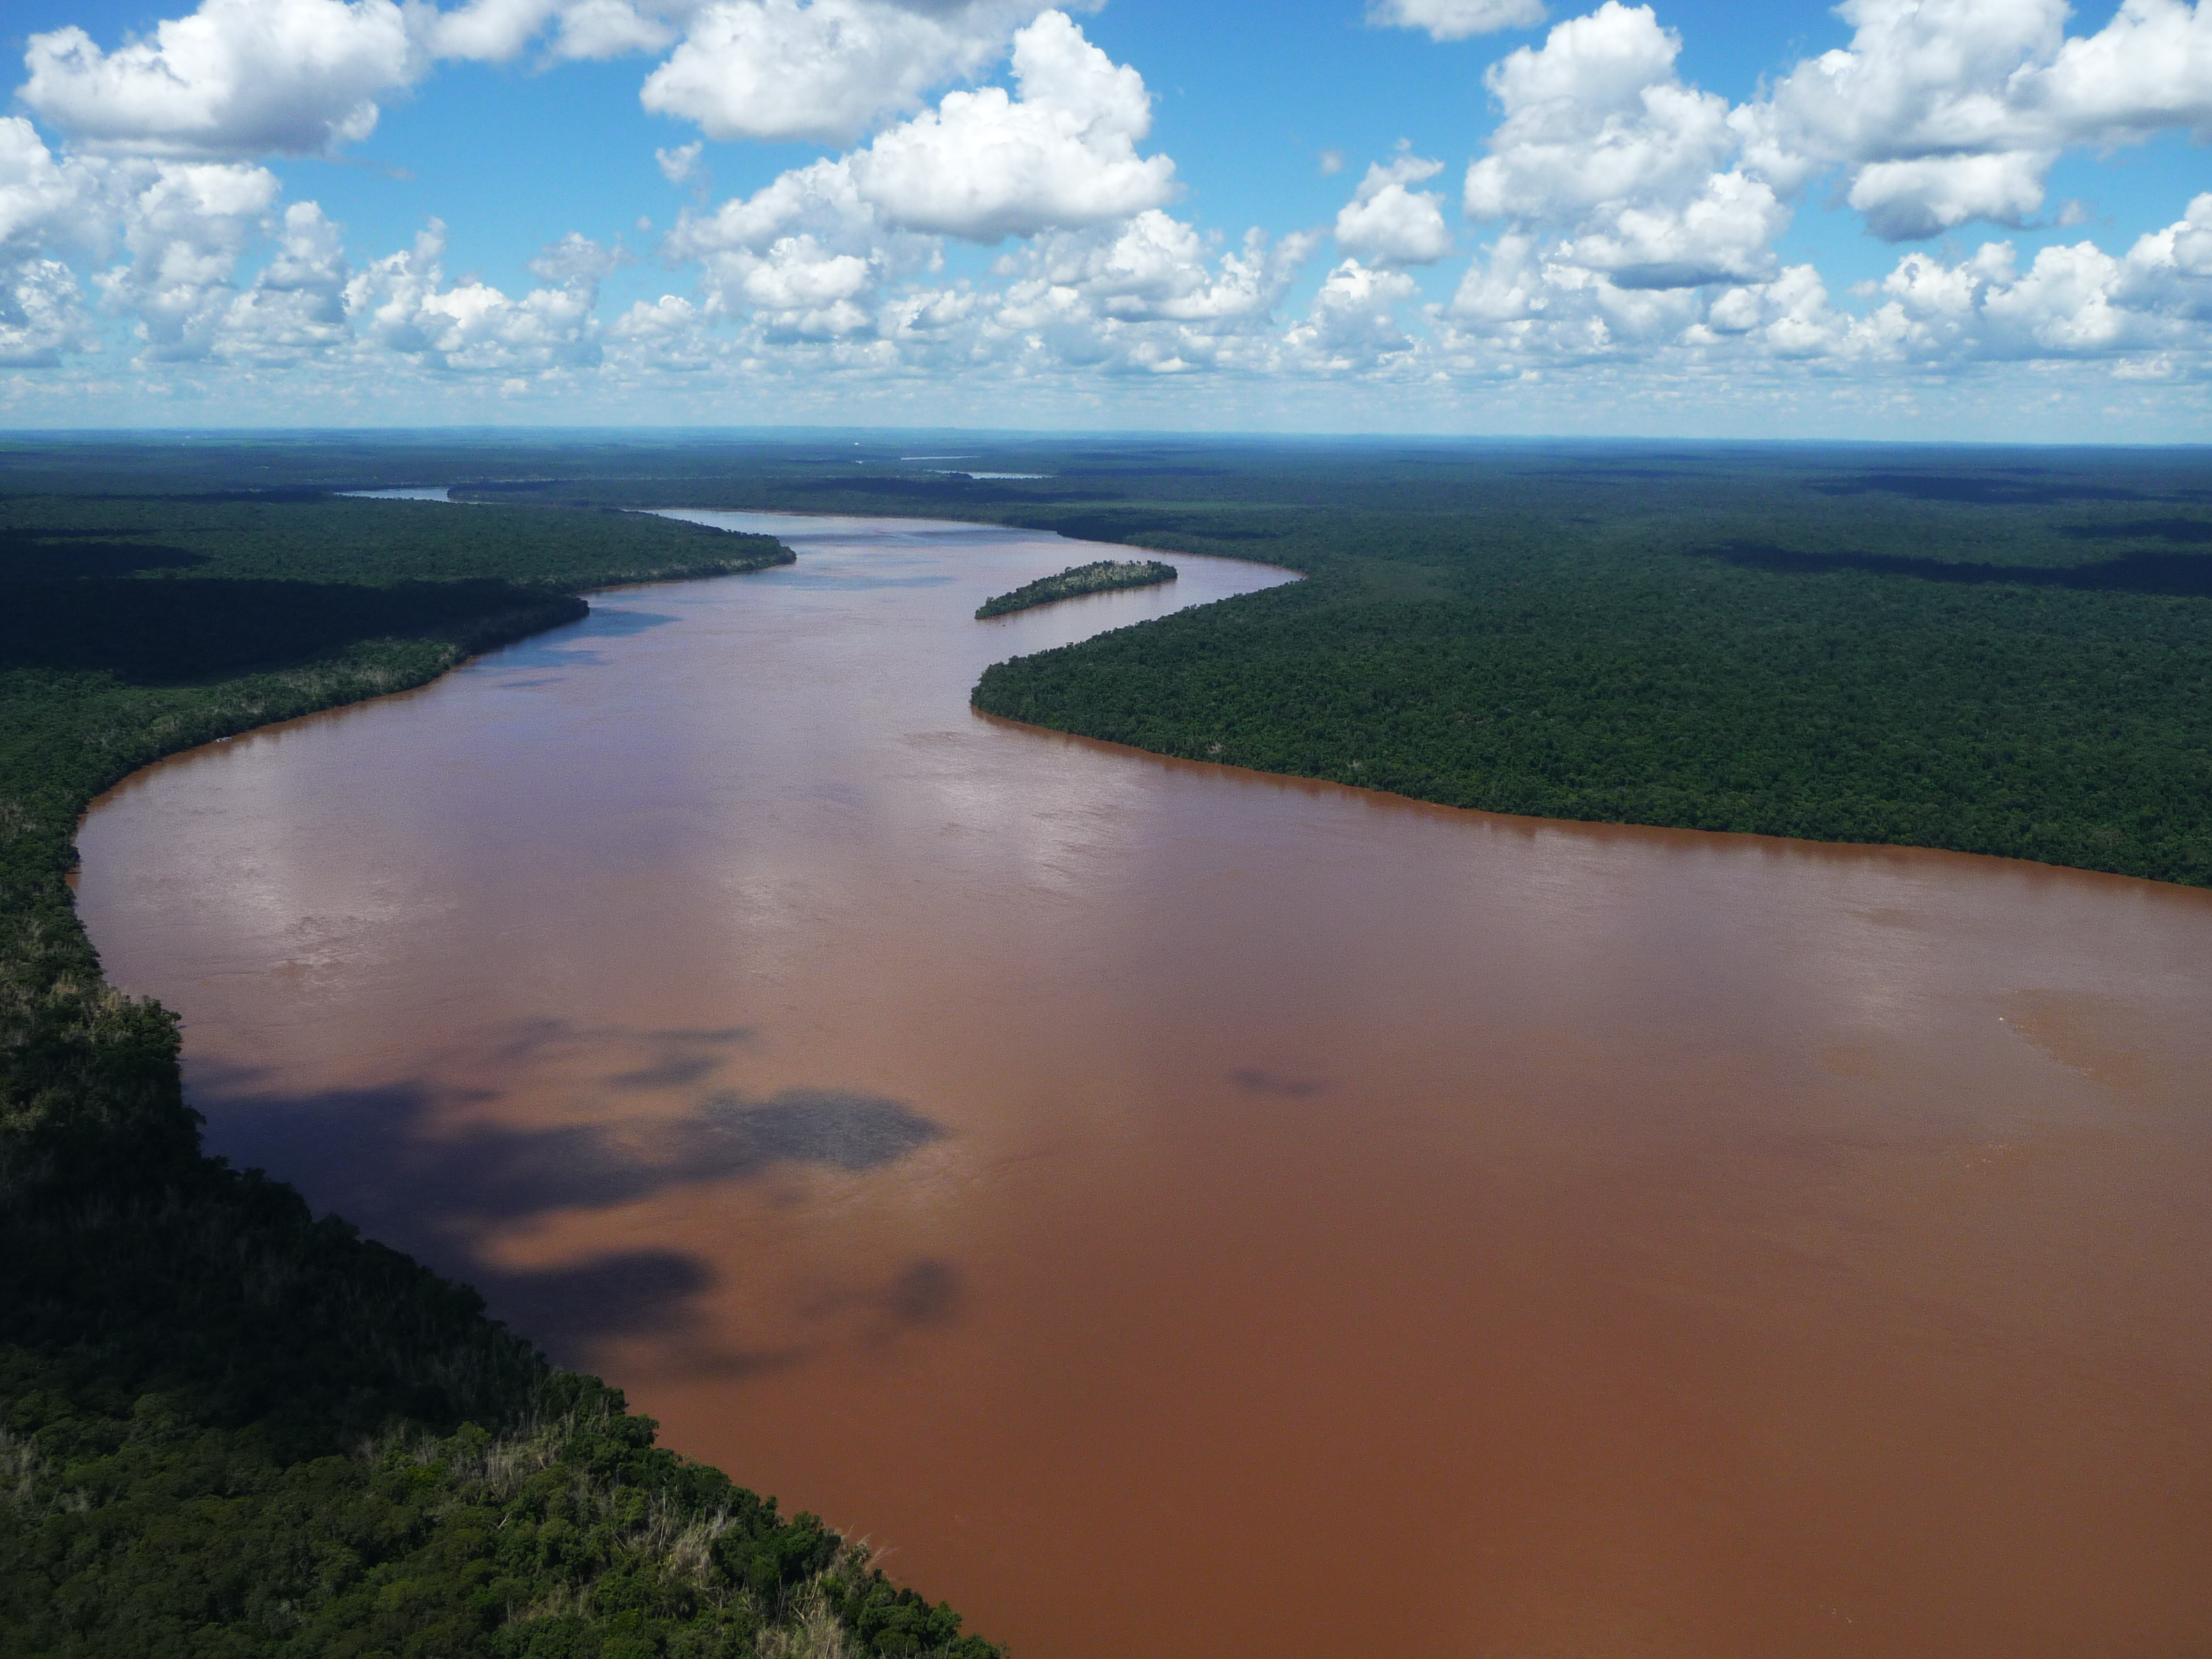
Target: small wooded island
[[1103, 577]]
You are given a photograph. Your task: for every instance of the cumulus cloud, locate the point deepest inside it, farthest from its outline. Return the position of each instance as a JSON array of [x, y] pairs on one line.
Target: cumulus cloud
[[1531, 301], [37, 191], [403, 305], [2148, 68], [1601, 142], [1387, 223], [668, 334], [2170, 271], [296, 306], [984, 166], [1943, 112], [237, 77], [251, 77], [823, 69], [185, 230], [1353, 323], [1456, 20], [804, 255], [1790, 318], [576, 261], [1631, 218], [42, 315], [1155, 267], [1150, 297], [2071, 302], [2143, 314], [1909, 200]]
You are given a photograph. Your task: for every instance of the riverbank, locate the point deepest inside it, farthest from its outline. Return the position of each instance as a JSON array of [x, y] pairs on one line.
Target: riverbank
[[901, 1104], [1984, 650], [1105, 576], [361, 1454]]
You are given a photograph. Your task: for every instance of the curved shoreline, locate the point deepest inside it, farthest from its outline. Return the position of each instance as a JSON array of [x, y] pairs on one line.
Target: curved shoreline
[[1534, 825], [1509, 1074]]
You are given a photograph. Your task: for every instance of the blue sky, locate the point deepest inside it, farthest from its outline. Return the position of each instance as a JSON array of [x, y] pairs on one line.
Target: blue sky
[[1939, 218]]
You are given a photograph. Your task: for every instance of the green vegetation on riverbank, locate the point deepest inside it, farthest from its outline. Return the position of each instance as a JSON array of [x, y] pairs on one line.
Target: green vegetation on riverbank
[[1106, 576], [228, 1427], [2007, 654], [1993, 651]]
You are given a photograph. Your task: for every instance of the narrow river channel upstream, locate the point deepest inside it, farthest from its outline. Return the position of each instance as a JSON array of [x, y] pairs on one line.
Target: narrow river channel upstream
[[1181, 1213]]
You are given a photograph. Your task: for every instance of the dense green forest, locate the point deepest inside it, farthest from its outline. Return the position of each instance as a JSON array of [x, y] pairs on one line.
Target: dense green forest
[[1102, 576], [1993, 650], [228, 1427]]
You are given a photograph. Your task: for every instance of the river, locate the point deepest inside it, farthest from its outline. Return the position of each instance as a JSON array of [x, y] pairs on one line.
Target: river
[[1183, 1213]]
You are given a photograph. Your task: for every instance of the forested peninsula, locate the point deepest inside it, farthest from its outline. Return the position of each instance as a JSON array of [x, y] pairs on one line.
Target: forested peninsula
[[1104, 577], [1985, 649], [227, 1426]]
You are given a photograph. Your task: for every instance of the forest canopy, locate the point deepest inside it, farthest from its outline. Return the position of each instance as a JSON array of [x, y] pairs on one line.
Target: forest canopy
[[1101, 576], [227, 1426], [1987, 649]]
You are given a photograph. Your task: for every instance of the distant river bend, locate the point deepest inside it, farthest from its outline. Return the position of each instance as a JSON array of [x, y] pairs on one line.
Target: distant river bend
[[1304, 1222]]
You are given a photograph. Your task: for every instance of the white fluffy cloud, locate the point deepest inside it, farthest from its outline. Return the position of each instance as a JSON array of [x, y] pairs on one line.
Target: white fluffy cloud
[[984, 166], [295, 308], [41, 315], [1149, 296], [37, 191], [1631, 220], [187, 227], [665, 336], [1387, 223], [1353, 323], [402, 305], [237, 77], [1943, 112], [1456, 19], [185, 231], [251, 77], [2148, 68], [2076, 301], [804, 255], [2142, 314], [822, 70], [1602, 145], [1157, 268], [1529, 302]]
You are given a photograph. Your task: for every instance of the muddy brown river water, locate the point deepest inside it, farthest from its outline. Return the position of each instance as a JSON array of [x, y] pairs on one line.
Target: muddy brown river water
[[1183, 1213]]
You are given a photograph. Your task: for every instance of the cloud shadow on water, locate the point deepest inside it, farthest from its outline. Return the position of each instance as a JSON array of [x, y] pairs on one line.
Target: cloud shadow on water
[[380, 1157], [1257, 1081], [569, 647]]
